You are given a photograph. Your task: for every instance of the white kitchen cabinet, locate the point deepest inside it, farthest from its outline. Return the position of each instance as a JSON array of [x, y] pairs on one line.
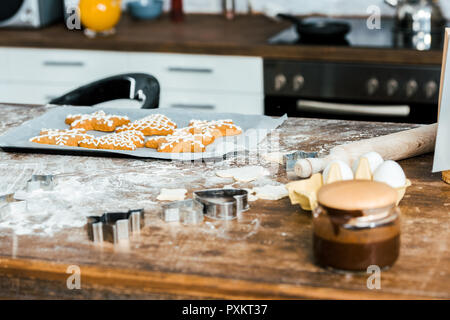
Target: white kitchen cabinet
[[202, 72], [190, 82], [218, 102], [64, 66], [5, 73], [31, 93]]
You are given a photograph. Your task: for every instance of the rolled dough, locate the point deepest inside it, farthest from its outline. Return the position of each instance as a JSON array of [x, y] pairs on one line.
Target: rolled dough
[[172, 194], [271, 192], [244, 174]]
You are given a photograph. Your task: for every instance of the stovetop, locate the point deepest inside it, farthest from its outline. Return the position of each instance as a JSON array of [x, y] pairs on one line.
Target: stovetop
[[361, 36]]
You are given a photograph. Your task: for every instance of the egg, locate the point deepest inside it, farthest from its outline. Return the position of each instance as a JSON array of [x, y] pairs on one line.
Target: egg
[[346, 171], [390, 173], [374, 158]]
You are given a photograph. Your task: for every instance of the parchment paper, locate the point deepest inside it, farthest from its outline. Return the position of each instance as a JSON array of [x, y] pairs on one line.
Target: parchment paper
[[255, 130]]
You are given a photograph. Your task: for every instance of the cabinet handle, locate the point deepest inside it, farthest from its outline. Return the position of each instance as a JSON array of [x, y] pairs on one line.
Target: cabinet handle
[[190, 70], [351, 109], [193, 106], [49, 97], [63, 64]]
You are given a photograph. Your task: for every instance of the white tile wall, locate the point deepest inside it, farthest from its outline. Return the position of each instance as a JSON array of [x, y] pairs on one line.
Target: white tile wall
[[335, 7]]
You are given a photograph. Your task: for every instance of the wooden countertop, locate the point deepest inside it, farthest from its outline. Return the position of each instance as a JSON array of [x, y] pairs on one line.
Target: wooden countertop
[[208, 34], [266, 254]]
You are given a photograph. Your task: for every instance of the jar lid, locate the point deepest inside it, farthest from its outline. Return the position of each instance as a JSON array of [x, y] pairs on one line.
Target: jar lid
[[357, 195]]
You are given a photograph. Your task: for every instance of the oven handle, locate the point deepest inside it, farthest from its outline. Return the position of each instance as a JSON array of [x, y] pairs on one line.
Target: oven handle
[[354, 109]]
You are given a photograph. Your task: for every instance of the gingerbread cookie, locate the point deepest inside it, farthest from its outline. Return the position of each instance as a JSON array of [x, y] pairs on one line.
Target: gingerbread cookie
[[179, 144], [152, 125], [154, 142], [129, 140], [69, 138], [217, 128], [98, 121], [184, 133]]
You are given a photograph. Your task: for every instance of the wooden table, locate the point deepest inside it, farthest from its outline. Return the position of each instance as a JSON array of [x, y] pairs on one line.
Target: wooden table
[[209, 34], [266, 254]]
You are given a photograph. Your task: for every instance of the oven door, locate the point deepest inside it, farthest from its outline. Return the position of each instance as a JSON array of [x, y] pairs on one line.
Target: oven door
[[326, 109], [9, 9]]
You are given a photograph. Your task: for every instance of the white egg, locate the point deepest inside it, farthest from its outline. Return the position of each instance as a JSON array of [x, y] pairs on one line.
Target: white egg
[[346, 171], [374, 158], [391, 173]]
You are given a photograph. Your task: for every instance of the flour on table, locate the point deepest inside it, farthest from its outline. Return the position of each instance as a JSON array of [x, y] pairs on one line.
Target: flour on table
[[172, 194], [244, 174], [271, 192]]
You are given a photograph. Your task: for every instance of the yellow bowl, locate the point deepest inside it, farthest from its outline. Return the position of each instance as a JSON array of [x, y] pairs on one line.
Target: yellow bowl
[[304, 192], [100, 15]]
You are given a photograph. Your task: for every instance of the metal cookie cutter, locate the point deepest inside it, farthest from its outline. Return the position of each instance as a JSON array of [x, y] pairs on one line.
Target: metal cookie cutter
[[187, 212], [223, 204], [114, 226], [8, 204], [43, 182]]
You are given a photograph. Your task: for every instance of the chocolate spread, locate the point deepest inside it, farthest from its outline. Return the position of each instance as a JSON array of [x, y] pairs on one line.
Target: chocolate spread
[[354, 256], [354, 248]]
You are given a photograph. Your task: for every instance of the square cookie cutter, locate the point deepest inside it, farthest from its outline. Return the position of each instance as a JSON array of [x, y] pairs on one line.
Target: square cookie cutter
[[223, 204], [115, 226], [41, 182], [187, 212]]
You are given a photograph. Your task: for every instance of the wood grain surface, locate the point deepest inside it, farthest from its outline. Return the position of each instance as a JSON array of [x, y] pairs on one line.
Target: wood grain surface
[[209, 34], [265, 254]]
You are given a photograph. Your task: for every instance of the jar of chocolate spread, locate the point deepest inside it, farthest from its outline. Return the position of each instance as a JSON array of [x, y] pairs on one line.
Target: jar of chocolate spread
[[357, 224]]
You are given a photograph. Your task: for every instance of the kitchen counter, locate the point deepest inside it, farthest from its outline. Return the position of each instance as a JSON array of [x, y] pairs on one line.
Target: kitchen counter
[[208, 34], [266, 254]]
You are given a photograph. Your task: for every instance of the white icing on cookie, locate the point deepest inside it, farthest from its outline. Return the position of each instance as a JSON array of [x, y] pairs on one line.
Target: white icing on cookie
[[100, 116], [123, 140], [154, 122]]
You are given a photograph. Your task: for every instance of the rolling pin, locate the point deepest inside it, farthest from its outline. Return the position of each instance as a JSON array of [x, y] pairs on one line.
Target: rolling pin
[[396, 146]]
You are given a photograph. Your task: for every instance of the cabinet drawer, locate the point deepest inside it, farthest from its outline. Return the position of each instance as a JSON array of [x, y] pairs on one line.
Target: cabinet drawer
[[65, 66], [4, 64], [202, 72], [31, 93], [198, 101]]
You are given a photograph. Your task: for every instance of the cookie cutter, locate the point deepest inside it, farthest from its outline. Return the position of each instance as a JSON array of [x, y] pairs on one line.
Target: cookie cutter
[[115, 226], [223, 204], [41, 182], [187, 212], [8, 204]]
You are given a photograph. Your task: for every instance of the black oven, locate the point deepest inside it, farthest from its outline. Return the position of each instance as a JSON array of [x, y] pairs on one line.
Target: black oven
[[352, 91]]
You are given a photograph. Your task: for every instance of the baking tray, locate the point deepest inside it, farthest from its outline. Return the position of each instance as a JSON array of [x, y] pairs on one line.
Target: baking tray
[[255, 129]]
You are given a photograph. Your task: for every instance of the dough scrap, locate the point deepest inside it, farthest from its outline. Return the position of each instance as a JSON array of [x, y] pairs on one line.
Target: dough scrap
[[276, 157], [172, 194], [251, 195], [244, 174], [271, 192]]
